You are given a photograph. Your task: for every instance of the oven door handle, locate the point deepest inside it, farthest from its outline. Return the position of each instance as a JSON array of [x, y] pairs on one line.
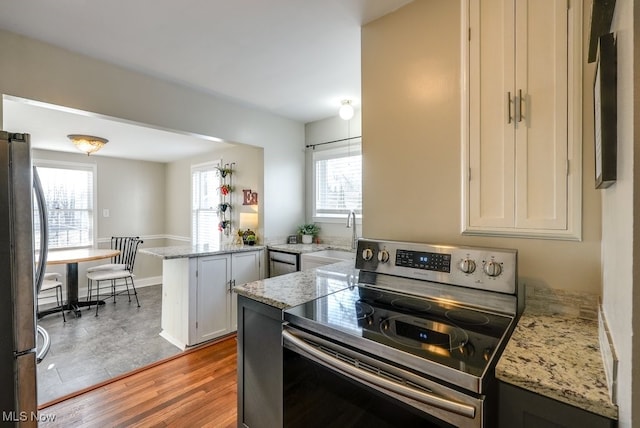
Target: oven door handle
[[282, 262], [405, 391]]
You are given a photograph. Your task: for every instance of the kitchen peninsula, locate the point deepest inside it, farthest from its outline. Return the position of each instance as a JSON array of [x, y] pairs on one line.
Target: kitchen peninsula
[[197, 299]]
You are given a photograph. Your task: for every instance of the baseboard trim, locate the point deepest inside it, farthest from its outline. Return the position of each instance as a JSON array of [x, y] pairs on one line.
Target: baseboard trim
[[82, 291], [172, 340], [148, 281]]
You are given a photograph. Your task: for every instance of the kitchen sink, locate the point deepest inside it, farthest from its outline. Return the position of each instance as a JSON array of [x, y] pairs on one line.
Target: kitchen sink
[[334, 254], [324, 257]]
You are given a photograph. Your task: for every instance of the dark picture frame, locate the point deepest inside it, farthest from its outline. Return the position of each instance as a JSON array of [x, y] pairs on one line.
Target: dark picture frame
[[601, 17], [605, 112]]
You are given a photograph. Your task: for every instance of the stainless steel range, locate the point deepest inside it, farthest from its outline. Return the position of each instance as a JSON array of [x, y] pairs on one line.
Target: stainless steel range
[[413, 343]]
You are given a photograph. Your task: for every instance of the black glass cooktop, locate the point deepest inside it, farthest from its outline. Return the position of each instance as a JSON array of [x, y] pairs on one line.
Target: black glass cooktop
[[452, 335]]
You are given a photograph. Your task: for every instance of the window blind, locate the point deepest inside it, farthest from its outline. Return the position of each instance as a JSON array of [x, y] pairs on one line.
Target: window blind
[[205, 198], [338, 181], [69, 195]]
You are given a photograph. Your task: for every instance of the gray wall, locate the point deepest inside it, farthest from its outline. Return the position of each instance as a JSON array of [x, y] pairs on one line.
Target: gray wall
[[153, 200], [134, 192], [42, 72], [248, 173], [321, 131]]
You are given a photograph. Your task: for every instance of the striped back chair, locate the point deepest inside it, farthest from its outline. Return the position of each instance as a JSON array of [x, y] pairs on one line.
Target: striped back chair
[[119, 273]]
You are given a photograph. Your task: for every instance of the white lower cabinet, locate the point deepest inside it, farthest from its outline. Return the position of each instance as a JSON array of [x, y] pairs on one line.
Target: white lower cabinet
[[198, 302], [247, 267], [212, 299]]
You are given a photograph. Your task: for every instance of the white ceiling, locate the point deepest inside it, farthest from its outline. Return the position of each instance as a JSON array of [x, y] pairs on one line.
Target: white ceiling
[[49, 126], [294, 58]]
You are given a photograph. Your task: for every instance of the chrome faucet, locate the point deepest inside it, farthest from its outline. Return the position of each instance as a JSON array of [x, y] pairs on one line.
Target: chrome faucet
[[351, 222]]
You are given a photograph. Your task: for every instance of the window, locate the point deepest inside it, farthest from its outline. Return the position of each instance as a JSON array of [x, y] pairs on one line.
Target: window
[[69, 191], [337, 181], [205, 181]]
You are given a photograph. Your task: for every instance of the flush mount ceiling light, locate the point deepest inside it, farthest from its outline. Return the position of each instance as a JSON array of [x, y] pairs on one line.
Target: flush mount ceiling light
[[87, 143], [346, 110]]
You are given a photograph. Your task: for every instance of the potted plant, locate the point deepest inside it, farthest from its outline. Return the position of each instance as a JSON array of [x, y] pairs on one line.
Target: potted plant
[[308, 231], [246, 235], [223, 171], [251, 239]]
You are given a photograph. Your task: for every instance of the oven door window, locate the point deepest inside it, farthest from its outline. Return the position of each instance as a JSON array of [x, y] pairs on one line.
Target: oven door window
[[317, 396]]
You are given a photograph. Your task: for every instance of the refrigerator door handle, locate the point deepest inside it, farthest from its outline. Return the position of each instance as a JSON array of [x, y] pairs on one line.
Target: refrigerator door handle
[[44, 229]]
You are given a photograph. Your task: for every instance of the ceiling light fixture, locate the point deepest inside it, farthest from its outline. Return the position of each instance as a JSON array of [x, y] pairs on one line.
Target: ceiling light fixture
[[346, 110], [87, 143]]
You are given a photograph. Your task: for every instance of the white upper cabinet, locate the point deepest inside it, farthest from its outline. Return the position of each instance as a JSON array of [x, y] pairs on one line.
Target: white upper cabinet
[[522, 118]]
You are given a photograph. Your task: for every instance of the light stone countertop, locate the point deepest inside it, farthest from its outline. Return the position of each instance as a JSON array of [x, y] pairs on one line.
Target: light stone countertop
[[306, 248], [557, 355], [296, 288], [183, 251]]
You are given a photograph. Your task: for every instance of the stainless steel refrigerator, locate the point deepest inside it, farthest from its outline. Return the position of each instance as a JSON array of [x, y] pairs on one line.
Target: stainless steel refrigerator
[[22, 262]]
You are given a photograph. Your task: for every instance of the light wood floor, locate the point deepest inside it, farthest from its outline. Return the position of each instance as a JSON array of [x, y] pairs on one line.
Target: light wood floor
[[196, 389]]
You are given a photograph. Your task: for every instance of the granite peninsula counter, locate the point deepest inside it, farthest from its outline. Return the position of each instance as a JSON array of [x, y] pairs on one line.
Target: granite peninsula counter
[[181, 251], [285, 291]]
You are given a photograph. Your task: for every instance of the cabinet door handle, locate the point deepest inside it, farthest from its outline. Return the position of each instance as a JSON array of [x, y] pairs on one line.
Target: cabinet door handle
[[509, 107], [520, 105]]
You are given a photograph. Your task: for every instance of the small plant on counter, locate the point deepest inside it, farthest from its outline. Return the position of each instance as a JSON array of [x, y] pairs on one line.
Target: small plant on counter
[[309, 229], [251, 239]]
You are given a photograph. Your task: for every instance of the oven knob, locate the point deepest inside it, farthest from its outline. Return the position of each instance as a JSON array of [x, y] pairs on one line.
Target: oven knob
[[467, 266], [468, 350], [487, 353], [384, 325], [493, 268], [383, 256], [367, 254]]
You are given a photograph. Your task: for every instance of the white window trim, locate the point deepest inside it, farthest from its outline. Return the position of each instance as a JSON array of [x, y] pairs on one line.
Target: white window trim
[[78, 165], [319, 153]]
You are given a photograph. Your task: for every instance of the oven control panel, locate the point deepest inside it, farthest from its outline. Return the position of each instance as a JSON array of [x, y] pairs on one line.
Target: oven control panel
[[493, 269], [438, 262]]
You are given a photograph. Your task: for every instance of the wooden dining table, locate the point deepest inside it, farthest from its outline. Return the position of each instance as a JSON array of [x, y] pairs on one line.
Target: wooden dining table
[[71, 258]]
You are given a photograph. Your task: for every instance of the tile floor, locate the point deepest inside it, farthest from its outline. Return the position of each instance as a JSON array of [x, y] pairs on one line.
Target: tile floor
[[88, 350]]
